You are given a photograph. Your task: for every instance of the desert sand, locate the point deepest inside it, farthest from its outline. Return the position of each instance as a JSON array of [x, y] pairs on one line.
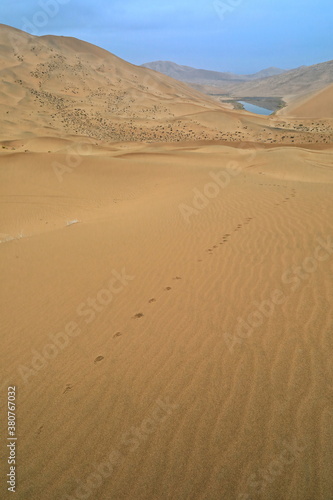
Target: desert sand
[[166, 300], [314, 105]]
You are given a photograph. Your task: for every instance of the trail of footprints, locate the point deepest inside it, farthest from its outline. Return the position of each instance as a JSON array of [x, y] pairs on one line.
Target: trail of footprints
[[291, 195], [135, 317], [288, 198], [151, 301], [225, 239]]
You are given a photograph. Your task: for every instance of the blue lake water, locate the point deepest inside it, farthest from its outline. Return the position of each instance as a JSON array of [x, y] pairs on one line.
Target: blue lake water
[[256, 109]]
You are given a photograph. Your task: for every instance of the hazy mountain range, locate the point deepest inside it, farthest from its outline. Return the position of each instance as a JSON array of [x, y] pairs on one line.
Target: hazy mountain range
[[203, 76], [300, 81], [268, 82]]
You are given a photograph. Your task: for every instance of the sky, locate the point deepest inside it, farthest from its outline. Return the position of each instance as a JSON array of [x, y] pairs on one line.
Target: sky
[[240, 36]]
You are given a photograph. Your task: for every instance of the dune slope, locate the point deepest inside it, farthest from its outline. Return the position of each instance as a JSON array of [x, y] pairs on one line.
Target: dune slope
[[166, 320], [315, 105]]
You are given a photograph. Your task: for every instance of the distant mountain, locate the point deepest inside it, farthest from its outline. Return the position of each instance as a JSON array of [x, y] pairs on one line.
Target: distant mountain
[[265, 73], [188, 74], [270, 82], [206, 77], [300, 81]]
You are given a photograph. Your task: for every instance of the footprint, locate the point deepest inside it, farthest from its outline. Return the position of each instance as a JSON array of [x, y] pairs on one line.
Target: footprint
[[177, 278], [151, 301], [68, 388], [137, 315], [215, 246], [98, 359], [118, 334], [168, 288]]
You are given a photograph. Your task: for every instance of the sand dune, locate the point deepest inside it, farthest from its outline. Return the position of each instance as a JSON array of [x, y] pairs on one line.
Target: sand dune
[[318, 105], [61, 86], [64, 85], [166, 308], [233, 401]]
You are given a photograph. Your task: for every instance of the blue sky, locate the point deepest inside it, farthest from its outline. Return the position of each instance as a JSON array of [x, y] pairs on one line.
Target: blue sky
[[241, 36]]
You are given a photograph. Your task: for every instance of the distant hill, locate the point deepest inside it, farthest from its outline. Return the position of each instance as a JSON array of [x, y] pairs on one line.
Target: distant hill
[[270, 82], [206, 77], [300, 81], [265, 73]]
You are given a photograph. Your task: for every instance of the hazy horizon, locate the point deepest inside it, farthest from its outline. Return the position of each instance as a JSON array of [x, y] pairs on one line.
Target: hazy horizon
[[219, 36]]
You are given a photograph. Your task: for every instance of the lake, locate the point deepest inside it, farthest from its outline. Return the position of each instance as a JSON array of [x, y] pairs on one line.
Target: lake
[[256, 109]]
